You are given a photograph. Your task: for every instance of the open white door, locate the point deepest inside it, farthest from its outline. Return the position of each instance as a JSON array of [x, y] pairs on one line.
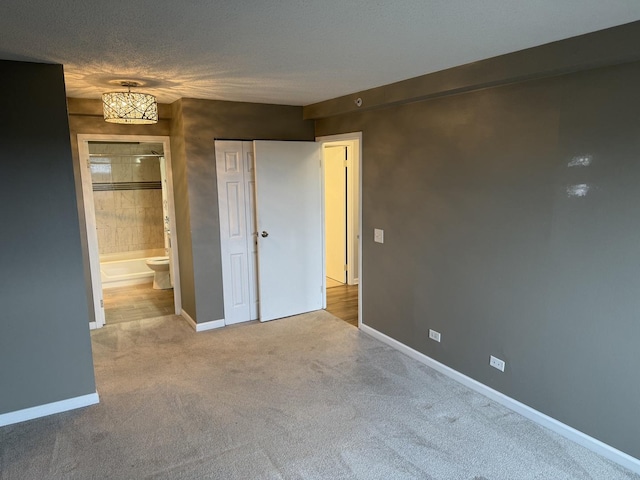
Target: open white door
[[289, 218], [335, 212]]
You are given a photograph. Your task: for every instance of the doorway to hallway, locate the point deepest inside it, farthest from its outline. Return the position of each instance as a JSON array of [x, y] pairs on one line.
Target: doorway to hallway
[[342, 225]]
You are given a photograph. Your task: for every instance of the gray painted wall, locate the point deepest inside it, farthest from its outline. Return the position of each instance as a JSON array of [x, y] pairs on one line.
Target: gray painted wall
[[203, 121], [45, 349], [488, 240]]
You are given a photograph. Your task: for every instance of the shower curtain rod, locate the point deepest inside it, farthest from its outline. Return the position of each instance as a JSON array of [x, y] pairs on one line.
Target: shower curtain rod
[[97, 155]]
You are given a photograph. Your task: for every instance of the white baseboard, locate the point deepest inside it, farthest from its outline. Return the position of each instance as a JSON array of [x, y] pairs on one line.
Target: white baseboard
[[540, 418], [48, 409], [93, 325], [201, 327]]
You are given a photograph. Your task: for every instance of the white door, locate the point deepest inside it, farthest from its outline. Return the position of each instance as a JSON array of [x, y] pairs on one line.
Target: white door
[[236, 186], [289, 218], [335, 212]]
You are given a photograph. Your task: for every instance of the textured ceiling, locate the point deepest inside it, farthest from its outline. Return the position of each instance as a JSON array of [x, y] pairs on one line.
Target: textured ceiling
[[293, 52]]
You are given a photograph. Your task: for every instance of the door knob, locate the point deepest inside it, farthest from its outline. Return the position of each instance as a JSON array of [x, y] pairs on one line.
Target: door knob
[[264, 234]]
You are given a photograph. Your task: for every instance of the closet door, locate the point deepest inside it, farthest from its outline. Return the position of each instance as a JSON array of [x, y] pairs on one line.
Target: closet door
[[236, 186], [289, 217]]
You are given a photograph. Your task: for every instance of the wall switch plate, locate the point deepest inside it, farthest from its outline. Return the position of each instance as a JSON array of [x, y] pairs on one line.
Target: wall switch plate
[[433, 335], [378, 235], [497, 363]]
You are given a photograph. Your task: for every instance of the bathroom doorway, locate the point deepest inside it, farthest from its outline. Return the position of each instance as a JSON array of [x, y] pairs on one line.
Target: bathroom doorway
[[127, 190]]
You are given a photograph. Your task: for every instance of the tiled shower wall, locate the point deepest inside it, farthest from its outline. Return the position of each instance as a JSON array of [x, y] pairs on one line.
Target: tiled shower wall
[[129, 219]]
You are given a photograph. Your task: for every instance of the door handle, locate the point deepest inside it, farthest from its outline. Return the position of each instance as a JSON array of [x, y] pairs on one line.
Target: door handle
[[264, 234]]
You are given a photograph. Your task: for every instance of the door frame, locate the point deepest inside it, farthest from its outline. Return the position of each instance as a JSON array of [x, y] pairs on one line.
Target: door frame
[[353, 141], [90, 216]]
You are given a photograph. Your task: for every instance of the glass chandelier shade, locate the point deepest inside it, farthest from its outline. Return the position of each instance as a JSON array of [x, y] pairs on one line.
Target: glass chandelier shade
[[128, 107]]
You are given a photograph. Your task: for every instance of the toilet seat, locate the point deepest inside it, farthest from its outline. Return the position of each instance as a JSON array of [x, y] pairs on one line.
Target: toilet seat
[[158, 261]]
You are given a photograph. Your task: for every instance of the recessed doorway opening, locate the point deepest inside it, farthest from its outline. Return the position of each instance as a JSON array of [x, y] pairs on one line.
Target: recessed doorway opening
[[341, 187], [129, 215]]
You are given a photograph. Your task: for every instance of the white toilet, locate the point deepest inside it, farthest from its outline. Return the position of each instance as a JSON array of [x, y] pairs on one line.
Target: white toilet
[[161, 278]]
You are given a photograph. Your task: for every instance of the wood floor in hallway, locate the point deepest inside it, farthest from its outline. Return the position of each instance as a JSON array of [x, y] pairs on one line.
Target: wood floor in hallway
[[342, 301]]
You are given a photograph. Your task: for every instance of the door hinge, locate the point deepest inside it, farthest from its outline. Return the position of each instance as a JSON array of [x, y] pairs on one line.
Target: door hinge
[[88, 163], [346, 163], [101, 303], [346, 268]]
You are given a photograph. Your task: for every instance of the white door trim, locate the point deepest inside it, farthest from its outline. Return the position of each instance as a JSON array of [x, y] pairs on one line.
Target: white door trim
[[353, 140], [90, 216]]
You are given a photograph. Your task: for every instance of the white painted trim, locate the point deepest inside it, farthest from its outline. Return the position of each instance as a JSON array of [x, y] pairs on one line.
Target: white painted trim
[[540, 418], [48, 409], [213, 324], [90, 224], [92, 325], [201, 327], [189, 320]]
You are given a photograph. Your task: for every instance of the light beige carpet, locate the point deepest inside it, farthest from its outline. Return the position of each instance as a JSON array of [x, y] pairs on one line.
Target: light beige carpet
[[305, 397]]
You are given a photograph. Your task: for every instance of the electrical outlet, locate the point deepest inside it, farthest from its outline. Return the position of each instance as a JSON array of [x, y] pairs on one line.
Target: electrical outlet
[[497, 363], [378, 235], [433, 335]]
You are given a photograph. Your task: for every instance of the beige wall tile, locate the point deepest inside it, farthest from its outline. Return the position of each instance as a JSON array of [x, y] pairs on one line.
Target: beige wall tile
[[126, 217], [121, 172], [100, 172], [104, 201], [125, 237], [105, 219], [156, 196], [137, 172], [106, 240], [150, 170], [125, 198], [142, 198]]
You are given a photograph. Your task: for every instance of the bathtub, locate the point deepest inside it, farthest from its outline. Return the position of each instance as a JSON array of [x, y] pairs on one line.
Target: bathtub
[[130, 268]]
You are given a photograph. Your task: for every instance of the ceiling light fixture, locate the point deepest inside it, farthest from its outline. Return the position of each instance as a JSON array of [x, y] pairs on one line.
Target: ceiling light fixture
[[129, 107]]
